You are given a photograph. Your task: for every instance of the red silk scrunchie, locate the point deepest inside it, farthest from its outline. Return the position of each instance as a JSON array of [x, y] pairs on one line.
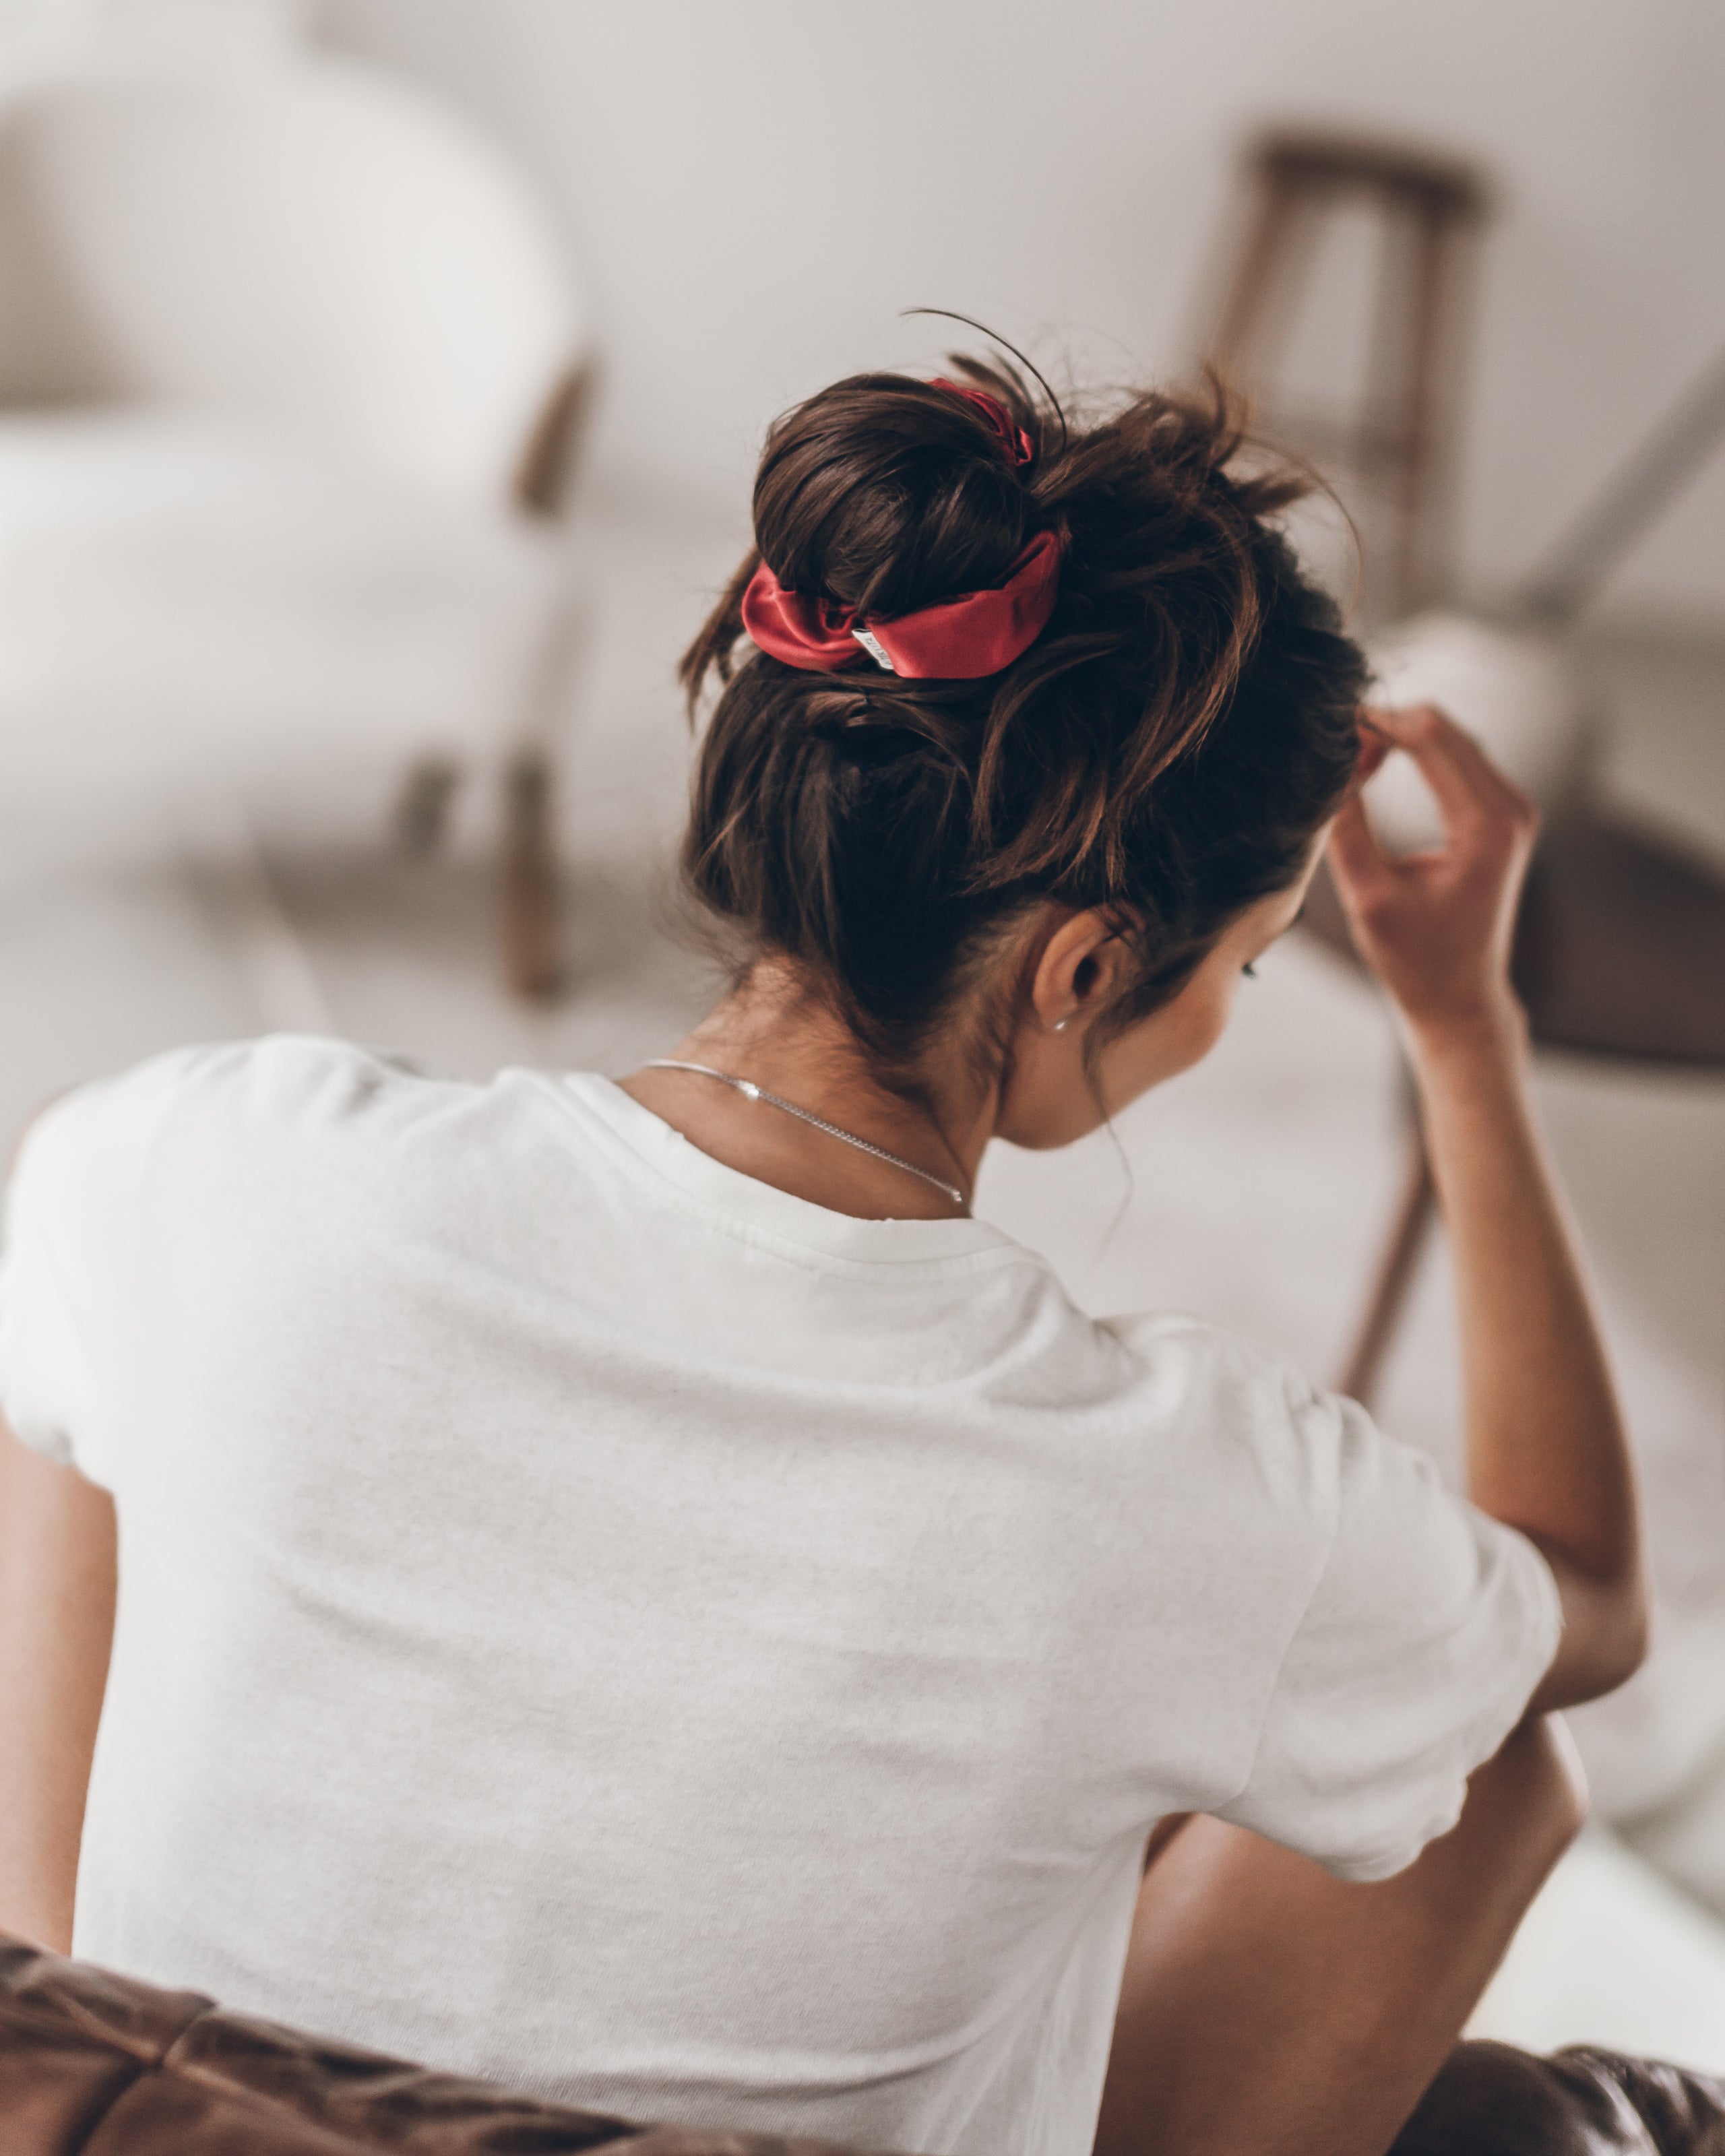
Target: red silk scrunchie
[[960, 639], [1015, 445]]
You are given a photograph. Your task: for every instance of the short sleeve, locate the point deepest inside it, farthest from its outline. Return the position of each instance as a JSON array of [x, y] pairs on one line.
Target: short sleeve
[[72, 1259], [1429, 1629]]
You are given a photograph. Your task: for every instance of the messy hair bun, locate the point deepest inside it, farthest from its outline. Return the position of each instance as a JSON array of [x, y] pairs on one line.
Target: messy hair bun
[[1165, 750]]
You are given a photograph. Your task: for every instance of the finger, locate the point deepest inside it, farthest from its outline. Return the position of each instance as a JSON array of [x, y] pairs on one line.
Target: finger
[[1373, 746], [1425, 726], [1499, 799], [1468, 788], [1357, 859]]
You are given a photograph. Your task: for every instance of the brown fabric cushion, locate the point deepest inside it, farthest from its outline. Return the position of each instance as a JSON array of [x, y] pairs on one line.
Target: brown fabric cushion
[[1492, 2100], [93, 2064]]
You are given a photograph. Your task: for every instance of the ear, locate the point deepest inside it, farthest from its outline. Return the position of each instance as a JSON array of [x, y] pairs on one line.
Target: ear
[[1078, 972]]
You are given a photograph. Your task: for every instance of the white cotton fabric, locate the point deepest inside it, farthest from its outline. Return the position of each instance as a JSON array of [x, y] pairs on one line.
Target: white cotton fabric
[[590, 1619]]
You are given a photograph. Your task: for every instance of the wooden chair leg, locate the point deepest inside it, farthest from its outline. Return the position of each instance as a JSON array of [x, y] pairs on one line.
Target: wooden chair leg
[[1258, 292], [529, 876], [422, 810], [1414, 1210]]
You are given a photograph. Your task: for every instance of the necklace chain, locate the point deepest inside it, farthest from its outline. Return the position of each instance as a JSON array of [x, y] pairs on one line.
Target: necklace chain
[[751, 1091]]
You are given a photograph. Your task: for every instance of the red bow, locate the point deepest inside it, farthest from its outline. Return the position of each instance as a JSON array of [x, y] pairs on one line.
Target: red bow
[[960, 639]]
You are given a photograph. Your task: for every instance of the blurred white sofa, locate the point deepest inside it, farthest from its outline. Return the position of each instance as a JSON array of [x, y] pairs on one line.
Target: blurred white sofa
[[290, 373], [1612, 1954]]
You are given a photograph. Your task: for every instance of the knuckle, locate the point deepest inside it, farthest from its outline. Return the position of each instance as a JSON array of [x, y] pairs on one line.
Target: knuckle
[[1500, 861], [1376, 908], [1514, 817]]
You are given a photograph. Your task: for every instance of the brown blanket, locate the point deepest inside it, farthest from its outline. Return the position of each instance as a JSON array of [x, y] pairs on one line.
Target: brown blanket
[[97, 2065]]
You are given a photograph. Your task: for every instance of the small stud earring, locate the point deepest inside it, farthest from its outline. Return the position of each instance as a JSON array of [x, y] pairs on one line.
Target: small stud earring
[[1061, 1026]]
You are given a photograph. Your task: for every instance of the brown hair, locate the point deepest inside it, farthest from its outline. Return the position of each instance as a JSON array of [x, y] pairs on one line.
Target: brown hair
[[1165, 752]]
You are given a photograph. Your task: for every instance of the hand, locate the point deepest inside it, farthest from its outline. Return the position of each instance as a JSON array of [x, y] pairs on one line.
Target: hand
[[1435, 927]]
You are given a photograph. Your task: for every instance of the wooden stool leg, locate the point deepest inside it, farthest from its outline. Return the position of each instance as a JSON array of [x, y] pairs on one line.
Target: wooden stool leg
[[1414, 1213], [1258, 276], [529, 877], [1261, 294], [1420, 567], [422, 810]]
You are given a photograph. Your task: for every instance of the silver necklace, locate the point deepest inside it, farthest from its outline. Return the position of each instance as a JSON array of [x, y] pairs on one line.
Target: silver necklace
[[751, 1091]]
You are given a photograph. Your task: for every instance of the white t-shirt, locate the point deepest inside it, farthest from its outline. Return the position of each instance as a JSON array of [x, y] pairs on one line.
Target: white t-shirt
[[589, 1619]]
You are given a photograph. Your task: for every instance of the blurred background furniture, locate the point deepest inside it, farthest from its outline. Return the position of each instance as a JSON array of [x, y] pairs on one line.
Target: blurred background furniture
[[91, 2059], [1621, 943], [1393, 456], [292, 378]]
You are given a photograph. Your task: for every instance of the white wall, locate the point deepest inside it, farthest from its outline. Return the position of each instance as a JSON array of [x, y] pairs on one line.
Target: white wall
[[752, 190]]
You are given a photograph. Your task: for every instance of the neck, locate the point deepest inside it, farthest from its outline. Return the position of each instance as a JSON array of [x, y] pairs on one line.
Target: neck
[[777, 1032]]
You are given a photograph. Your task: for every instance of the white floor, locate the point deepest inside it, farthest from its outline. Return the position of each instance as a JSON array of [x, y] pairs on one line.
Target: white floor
[[1252, 1190]]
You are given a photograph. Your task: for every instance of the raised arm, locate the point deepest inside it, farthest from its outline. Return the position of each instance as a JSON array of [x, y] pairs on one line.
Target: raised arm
[[56, 1583], [1545, 1443]]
